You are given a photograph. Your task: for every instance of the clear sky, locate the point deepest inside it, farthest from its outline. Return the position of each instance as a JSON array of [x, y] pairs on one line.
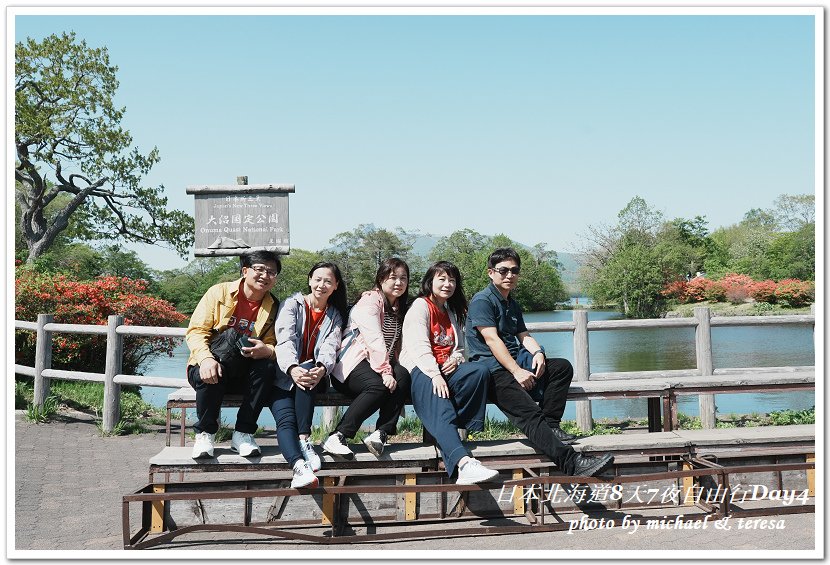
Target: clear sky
[[531, 125]]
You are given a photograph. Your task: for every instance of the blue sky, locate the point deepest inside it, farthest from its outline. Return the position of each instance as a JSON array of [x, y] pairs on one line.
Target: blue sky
[[532, 125]]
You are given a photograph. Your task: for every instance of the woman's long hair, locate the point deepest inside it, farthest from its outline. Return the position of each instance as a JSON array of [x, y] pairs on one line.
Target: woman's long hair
[[338, 297], [384, 270], [457, 302]]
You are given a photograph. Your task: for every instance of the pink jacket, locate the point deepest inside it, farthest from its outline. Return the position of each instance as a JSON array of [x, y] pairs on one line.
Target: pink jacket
[[364, 338]]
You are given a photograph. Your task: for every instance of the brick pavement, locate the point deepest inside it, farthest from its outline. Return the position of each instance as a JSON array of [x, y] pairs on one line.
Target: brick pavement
[[69, 481]]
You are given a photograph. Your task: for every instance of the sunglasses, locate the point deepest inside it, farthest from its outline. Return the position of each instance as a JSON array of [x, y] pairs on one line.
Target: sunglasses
[[504, 270]]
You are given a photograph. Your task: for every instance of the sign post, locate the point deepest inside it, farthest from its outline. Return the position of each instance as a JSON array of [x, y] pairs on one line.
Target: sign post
[[235, 219]]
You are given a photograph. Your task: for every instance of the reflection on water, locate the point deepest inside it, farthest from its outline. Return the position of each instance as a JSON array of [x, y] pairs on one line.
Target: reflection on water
[[630, 350]]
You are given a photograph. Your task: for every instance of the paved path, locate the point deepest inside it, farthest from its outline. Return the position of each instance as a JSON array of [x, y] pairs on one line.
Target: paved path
[[69, 481]]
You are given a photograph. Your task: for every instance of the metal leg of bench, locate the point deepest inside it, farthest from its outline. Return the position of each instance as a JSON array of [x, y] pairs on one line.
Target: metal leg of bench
[[811, 475], [654, 424], [182, 426], [167, 427], [670, 412]]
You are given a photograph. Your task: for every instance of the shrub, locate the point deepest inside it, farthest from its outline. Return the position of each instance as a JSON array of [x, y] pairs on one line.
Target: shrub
[[697, 289], [713, 291], [90, 302], [676, 291], [763, 291], [795, 293], [736, 287]]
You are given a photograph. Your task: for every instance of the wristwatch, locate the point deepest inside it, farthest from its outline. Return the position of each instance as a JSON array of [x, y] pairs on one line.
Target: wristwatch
[[540, 351]]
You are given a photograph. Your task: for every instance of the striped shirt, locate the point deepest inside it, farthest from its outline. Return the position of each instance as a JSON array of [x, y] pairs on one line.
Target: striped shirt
[[391, 332]]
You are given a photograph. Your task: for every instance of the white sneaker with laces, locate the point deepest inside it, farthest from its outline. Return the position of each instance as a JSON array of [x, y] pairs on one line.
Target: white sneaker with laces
[[303, 476], [244, 444], [335, 444], [375, 441], [473, 472], [203, 446], [310, 455]]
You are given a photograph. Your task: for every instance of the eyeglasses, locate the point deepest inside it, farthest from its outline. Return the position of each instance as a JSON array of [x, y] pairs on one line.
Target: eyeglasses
[[504, 270], [260, 270]]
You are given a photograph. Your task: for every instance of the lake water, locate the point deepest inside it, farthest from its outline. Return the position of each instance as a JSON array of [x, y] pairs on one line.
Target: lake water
[[626, 350]]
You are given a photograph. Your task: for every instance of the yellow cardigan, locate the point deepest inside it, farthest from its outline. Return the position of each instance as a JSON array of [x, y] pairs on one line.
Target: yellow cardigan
[[212, 315]]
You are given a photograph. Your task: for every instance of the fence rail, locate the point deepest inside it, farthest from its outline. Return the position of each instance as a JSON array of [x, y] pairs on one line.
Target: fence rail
[[115, 330]]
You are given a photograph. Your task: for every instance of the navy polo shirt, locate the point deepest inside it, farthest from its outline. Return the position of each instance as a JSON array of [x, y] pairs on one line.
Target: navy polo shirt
[[489, 309]]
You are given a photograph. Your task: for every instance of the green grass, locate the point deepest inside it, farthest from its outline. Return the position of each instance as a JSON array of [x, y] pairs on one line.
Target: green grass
[[88, 397], [38, 415]]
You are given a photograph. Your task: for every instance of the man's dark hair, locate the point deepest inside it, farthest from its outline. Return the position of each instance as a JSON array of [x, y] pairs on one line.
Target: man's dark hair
[[503, 254], [259, 256]]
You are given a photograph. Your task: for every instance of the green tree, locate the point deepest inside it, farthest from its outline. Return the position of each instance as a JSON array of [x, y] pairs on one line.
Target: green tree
[[185, 287], [684, 244], [468, 250], [69, 141], [360, 252], [540, 286], [633, 278], [626, 264], [294, 275]]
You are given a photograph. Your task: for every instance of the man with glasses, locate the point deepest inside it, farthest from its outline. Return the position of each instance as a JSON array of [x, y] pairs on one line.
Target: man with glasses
[[521, 375], [242, 311]]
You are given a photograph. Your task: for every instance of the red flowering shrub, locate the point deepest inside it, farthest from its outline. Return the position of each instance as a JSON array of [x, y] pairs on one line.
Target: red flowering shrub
[[794, 292], [763, 291], [90, 302], [676, 290], [697, 289], [736, 288]]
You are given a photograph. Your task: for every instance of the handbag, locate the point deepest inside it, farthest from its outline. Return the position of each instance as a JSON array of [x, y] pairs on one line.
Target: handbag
[[225, 348]]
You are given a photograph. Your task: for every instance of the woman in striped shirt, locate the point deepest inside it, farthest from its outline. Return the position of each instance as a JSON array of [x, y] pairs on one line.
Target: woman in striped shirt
[[368, 370]]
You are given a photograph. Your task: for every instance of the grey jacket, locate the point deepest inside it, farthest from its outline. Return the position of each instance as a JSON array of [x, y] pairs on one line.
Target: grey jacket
[[290, 325]]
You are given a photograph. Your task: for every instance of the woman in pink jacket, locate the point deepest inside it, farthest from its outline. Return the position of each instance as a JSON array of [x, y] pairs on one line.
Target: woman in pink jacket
[[367, 369]]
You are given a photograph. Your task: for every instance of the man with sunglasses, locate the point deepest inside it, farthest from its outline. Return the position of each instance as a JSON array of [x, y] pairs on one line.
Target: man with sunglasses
[[520, 373], [248, 308]]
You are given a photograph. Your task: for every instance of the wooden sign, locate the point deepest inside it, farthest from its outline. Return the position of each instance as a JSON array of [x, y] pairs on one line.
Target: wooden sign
[[234, 219]]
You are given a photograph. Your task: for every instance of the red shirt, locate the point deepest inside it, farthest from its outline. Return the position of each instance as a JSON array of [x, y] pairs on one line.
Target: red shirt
[[244, 316], [441, 333], [313, 320]]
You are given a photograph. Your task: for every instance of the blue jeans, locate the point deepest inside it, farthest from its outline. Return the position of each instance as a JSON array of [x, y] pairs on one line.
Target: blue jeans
[[443, 416], [293, 410]]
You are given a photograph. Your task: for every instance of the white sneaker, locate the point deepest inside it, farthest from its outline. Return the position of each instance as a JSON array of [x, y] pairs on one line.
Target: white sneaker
[[303, 476], [244, 444], [473, 472], [203, 446], [335, 444], [375, 441], [310, 455]]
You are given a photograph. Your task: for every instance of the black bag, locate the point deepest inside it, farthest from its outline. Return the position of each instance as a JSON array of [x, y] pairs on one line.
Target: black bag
[[225, 348]]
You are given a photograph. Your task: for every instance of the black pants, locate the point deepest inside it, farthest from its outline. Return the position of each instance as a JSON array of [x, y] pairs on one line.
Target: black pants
[[369, 394], [551, 390], [523, 411], [254, 382]]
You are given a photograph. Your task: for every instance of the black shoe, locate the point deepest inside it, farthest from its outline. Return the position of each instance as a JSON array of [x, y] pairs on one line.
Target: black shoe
[[563, 436], [589, 466]]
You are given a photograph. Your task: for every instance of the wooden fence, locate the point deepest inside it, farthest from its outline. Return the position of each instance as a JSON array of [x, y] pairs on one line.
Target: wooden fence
[[115, 330]]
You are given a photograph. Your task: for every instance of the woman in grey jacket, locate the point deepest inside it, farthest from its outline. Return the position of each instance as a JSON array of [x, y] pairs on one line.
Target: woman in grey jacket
[[308, 331]]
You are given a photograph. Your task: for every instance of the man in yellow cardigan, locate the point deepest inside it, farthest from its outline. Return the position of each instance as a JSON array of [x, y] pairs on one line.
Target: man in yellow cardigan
[[248, 307]]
